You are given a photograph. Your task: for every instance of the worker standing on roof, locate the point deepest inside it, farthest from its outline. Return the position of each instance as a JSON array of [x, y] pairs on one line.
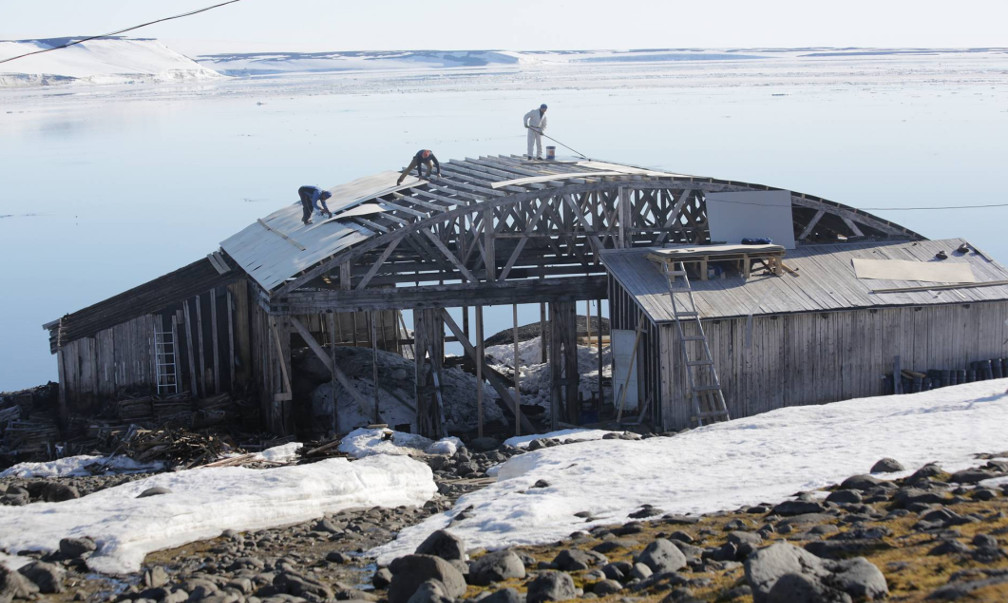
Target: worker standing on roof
[[535, 123], [312, 197], [422, 157]]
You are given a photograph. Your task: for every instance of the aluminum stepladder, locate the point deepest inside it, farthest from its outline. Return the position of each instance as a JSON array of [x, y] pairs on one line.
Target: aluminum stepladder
[[701, 374]]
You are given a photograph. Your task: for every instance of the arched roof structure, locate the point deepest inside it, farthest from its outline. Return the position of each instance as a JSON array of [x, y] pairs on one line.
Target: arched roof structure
[[497, 230]]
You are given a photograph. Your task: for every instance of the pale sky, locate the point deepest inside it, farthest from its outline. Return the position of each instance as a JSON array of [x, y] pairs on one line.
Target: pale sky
[[312, 25]]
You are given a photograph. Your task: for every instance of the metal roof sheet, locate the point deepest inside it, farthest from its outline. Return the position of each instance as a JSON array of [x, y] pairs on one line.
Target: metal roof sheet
[[279, 246], [824, 281]]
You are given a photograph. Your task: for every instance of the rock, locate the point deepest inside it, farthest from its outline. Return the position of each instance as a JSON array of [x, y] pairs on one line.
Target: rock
[[16, 496], [155, 491], [972, 476], [48, 577], [926, 472], [504, 595], [606, 587], [646, 511], [798, 588], [573, 560], [950, 546], [797, 507], [443, 544], [962, 589], [155, 576], [640, 571], [52, 491], [618, 570], [14, 585], [298, 585], [844, 497], [495, 567], [662, 556], [887, 465], [550, 586], [73, 548], [612, 544], [409, 572], [431, 591], [856, 578], [865, 483], [382, 578]]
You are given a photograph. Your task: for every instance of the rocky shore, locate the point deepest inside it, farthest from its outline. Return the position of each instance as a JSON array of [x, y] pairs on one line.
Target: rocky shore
[[929, 536]]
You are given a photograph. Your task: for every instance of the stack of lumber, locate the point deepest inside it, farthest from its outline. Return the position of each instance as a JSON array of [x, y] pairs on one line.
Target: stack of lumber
[[174, 447]]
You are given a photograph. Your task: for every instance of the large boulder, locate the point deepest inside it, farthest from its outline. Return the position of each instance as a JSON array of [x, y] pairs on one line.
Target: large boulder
[[809, 577], [495, 567], [409, 572], [551, 585], [443, 544], [662, 556]]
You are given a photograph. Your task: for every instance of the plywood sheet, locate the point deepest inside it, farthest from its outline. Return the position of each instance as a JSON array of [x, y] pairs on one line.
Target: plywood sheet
[[752, 215], [907, 270]]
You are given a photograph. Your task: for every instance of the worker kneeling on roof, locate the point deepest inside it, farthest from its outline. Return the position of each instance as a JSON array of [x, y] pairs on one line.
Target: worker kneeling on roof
[[423, 157], [312, 197]]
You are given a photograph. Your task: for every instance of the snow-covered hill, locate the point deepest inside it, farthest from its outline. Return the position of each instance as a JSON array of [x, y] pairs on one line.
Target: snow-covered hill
[[104, 61]]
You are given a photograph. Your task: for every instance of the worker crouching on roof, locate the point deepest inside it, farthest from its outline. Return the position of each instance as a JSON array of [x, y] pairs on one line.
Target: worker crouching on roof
[[312, 197], [535, 123], [423, 157]]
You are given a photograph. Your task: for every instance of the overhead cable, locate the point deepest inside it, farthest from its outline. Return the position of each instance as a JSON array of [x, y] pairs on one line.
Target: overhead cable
[[115, 33]]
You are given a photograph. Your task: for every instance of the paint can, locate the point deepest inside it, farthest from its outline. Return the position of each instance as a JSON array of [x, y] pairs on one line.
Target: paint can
[[550, 153]]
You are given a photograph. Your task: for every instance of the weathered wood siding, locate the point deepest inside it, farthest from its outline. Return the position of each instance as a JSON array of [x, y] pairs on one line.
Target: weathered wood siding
[[813, 358]]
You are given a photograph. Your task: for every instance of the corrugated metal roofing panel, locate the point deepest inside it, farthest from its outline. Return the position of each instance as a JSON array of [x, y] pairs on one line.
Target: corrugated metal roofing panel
[[825, 281], [279, 246]]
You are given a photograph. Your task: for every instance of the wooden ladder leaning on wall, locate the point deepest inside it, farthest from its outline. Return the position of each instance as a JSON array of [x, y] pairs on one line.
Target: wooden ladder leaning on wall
[[701, 374]]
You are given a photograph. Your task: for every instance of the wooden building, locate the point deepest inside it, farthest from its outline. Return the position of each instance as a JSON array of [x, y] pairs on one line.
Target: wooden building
[[814, 333], [492, 231]]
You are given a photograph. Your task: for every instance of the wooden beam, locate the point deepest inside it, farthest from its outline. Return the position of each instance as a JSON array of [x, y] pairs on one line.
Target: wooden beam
[[449, 255], [811, 224], [478, 359], [440, 296], [285, 393], [329, 363]]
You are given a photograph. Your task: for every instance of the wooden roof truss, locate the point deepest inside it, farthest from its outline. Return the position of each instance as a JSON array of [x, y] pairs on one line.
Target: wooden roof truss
[[439, 242]]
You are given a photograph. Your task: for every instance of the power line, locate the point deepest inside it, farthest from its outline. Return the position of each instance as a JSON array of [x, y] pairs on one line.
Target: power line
[[115, 33], [936, 207], [948, 207]]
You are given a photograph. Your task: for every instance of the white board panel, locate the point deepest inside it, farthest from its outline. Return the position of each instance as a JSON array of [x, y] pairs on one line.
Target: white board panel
[[751, 215], [908, 270], [622, 350]]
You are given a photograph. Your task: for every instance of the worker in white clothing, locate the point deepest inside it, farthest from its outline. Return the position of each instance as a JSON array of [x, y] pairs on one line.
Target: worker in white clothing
[[535, 122]]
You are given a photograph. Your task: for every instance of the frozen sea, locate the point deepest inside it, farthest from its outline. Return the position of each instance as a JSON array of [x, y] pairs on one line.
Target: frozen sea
[[104, 187]]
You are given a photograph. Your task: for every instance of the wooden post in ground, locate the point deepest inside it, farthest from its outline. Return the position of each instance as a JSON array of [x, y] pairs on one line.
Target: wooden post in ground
[[517, 369], [479, 371]]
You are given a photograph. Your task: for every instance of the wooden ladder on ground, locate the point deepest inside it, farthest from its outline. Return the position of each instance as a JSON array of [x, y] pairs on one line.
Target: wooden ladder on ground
[[701, 374]]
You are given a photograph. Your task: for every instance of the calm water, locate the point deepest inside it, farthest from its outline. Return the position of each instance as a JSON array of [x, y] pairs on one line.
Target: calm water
[[104, 189]]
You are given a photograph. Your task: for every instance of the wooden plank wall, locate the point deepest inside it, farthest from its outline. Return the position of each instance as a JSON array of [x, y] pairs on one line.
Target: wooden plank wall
[[93, 369], [814, 358]]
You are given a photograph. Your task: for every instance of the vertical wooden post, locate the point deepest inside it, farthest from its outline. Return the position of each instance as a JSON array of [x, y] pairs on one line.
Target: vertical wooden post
[[479, 372], [334, 419], [374, 363], [542, 332], [199, 340], [231, 344], [189, 348], [517, 370], [216, 347], [624, 213], [598, 403]]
